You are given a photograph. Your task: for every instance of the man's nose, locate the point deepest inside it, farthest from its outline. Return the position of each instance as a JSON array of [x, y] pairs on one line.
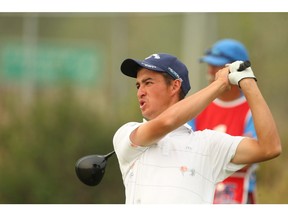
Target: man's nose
[[140, 92]]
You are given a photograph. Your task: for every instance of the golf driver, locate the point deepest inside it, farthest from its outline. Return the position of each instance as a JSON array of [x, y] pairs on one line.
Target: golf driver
[[90, 169], [244, 65]]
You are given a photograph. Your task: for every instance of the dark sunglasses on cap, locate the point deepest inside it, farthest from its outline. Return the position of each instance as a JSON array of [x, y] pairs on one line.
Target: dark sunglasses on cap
[[216, 53]]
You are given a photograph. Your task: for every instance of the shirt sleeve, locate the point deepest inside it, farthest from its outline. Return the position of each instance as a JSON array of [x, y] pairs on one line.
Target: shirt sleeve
[[126, 153], [222, 150]]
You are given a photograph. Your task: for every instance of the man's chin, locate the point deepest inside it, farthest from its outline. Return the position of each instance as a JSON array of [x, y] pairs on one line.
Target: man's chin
[[146, 116]]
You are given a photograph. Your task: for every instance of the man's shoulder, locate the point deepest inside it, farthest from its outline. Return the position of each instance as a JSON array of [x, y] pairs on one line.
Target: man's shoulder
[[129, 125], [127, 128]]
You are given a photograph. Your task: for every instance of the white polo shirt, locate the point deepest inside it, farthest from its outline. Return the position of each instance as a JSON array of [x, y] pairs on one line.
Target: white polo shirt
[[183, 167]]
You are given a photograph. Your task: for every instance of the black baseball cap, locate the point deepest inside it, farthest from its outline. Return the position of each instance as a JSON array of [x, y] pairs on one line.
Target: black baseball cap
[[161, 62]]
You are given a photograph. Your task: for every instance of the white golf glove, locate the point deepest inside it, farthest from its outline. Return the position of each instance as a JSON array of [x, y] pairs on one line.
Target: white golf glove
[[236, 76]]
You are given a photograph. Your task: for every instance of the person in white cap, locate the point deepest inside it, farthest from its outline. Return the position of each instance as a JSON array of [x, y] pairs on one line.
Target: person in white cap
[[229, 113], [162, 160]]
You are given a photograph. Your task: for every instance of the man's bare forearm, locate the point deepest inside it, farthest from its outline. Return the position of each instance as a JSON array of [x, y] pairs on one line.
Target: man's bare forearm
[[178, 114], [266, 129]]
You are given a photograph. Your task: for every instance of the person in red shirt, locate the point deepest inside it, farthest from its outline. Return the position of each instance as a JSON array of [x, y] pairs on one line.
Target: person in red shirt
[[231, 114]]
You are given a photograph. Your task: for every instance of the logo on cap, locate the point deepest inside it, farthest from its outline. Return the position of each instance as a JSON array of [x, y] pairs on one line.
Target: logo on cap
[[156, 56]]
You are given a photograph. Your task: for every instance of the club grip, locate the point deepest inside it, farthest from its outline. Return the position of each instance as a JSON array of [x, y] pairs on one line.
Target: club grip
[[244, 65]]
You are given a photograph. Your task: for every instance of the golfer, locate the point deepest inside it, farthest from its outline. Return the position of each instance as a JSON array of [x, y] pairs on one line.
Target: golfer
[[162, 160]]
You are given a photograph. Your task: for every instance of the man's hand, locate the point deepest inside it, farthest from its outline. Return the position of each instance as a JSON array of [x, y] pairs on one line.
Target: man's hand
[[236, 76], [222, 76]]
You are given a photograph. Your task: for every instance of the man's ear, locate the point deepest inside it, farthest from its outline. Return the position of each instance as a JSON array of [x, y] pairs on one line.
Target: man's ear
[[176, 86]]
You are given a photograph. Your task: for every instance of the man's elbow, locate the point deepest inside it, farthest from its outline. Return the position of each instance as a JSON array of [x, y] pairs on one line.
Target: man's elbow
[[275, 152], [278, 150]]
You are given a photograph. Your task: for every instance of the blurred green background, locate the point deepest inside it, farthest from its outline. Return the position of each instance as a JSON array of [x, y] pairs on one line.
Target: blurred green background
[[62, 95]]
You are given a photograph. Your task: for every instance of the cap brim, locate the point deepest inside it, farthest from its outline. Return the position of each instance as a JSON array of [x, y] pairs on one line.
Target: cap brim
[[216, 61], [130, 67]]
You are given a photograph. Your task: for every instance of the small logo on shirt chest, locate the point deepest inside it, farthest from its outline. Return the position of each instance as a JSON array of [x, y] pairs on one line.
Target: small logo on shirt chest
[[187, 171]]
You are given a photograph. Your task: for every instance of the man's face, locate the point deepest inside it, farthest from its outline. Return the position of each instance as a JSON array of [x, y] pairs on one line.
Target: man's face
[[211, 71], [153, 93]]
